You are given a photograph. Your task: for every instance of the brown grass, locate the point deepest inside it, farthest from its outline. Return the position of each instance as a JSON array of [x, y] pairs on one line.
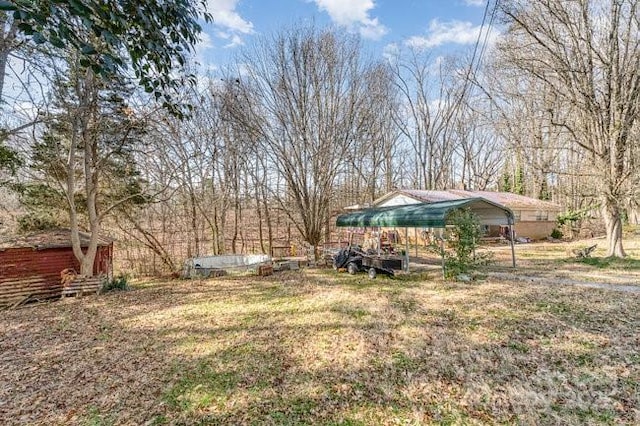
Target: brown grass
[[317, 347]]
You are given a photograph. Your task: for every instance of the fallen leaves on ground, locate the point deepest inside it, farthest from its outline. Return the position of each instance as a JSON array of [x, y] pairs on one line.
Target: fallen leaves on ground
[[318, 347]]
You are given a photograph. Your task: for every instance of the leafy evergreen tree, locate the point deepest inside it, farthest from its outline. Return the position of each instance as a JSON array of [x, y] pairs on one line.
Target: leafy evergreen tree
[[545, 192], [518, 181], [85, 158], [505, 182]]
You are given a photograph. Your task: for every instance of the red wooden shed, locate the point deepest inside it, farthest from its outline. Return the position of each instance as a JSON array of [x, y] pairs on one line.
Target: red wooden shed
[[30, 265]]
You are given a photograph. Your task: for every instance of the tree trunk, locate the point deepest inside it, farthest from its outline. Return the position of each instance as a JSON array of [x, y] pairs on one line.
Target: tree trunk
[[194, 221], [263, 249], [613, 226], [7, 44], [86, 266], [268, 218]]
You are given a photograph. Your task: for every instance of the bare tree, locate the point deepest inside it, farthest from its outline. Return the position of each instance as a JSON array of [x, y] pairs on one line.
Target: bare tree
[[301, 96], [371, 168], [587, 53], [429, 99], [480, 151]]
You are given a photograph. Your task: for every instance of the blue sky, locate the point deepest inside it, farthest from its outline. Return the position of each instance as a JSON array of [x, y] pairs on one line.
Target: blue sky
[[384, 25], [441, 26]]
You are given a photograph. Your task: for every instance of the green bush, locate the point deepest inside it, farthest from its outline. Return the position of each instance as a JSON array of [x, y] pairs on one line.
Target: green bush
[[118, 283], [463, 241], [556, 234]]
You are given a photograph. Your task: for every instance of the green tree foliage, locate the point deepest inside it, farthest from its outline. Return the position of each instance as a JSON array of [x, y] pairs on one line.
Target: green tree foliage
[[153, 37], [505, 182], [45, 207], [110, 128], [463, 241], [86, 155], [545, 192], [572, 216], [9, 160], [518, 181]]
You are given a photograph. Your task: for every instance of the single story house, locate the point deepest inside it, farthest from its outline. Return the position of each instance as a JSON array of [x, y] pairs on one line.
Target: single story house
[[533, 218], [30, 265]]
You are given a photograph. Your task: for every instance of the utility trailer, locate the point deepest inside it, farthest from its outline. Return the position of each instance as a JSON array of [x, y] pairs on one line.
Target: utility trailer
[[355, 260], [384, 264]]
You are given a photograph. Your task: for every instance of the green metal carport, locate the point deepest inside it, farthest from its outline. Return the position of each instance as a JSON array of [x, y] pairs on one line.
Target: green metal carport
[[430, 215]]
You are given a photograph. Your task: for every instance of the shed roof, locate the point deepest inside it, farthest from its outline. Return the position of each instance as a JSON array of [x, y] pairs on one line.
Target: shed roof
[[508, 199], [55, 238], [426, 215]]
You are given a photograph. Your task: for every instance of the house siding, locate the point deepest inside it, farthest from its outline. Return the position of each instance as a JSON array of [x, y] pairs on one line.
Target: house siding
[[536, 230]]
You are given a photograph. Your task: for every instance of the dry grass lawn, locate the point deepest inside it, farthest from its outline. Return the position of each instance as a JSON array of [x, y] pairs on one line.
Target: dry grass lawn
[[317, 347]]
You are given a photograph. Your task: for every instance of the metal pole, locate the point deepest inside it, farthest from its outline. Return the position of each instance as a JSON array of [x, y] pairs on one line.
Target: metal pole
[[513, 249], [442, 254], [406, 249]]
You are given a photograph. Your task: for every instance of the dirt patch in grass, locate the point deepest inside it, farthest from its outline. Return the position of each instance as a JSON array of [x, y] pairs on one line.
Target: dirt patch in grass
[[317, 347]]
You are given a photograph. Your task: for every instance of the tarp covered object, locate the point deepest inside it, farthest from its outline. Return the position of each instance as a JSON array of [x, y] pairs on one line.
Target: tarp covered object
[[204, 265], [426, 215]]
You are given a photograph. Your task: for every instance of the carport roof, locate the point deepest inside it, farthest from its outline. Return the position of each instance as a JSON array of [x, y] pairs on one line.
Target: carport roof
[[426, 215]]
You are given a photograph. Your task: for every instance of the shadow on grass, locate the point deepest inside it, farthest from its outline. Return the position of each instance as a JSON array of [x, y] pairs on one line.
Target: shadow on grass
[[323, 348], [440, 375], [615, 263]]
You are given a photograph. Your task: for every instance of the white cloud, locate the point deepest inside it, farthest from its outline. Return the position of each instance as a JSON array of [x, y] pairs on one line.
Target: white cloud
[[231, 26], [457, 32], [354, 15], [391, 52], [233, 39], [475, 2], [204, 43]]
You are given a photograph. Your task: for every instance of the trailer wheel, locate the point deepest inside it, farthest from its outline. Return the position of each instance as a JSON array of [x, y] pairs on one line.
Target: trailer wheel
[[372, 273], [352, 268]]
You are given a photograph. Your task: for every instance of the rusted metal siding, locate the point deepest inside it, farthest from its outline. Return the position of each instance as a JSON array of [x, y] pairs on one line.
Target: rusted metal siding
[[25, 272]]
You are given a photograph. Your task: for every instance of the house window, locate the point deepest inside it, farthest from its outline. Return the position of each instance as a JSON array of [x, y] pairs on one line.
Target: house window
[[542, 215]]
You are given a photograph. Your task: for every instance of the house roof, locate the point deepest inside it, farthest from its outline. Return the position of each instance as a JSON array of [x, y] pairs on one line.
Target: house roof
[[55, 238], [508, 199], [426, 215]]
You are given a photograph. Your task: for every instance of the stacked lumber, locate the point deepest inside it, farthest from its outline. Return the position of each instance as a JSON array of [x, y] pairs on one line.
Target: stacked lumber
[[80, 286], [18, 291]]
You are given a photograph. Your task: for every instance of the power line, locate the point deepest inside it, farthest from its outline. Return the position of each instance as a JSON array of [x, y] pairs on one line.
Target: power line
[[485, 42]]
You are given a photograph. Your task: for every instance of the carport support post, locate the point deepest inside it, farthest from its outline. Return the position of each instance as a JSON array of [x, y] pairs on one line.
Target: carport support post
[[406, 249], [444, 275], [513, 249]]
